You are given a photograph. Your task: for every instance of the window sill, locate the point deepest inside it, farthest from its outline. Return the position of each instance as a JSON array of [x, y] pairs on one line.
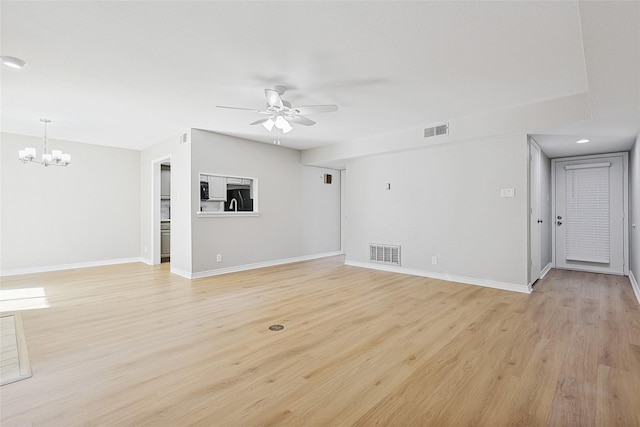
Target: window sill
[[225, 214]]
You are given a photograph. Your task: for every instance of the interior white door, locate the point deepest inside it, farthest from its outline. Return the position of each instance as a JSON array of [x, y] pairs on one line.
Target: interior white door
[[589, 222], [534, 213], [343, 209]]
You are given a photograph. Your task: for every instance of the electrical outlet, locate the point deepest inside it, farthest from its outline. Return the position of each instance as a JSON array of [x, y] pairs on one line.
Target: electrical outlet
[[219, 258], [434, 260]]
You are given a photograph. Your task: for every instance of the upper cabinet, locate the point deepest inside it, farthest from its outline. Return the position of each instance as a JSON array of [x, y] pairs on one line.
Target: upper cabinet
[[165, 181], [239, 181], [217, 187]]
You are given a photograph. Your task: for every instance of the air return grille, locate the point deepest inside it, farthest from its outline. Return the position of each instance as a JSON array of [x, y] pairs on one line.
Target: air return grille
[[384, 254], [437, 130]]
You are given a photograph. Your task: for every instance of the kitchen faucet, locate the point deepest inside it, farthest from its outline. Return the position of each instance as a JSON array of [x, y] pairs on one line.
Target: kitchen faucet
[[233, 205]]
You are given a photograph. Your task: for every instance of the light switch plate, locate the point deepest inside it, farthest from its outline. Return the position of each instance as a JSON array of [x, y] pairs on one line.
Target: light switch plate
[[507, 192]]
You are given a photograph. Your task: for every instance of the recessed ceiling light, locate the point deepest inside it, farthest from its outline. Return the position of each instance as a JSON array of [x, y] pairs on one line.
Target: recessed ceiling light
[[582, 141], [12, 62]]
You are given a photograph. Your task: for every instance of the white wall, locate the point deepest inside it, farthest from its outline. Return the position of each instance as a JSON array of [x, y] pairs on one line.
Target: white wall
[[445, 201], [634, 209], [87, 212], [320, 210], [180, 155], [299, 215]]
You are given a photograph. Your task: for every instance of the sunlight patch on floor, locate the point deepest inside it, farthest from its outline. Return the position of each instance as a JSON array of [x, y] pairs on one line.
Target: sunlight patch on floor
[[14, 360], [23, 299]]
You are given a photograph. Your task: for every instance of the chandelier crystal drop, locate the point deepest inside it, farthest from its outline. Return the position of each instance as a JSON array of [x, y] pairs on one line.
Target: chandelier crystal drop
[[54, 158]]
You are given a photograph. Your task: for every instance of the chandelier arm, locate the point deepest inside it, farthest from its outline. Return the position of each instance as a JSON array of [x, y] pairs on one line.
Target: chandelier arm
[[55, 158]]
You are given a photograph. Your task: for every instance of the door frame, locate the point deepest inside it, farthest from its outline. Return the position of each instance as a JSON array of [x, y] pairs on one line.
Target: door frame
[[343, 208], [534, 207], [625, 204], [156, 182]]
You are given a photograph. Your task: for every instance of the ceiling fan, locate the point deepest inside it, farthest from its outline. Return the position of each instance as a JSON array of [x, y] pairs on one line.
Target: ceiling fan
[[280, 114]]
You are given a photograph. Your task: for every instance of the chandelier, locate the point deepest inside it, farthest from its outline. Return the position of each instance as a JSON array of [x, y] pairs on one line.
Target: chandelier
[[55, 157]]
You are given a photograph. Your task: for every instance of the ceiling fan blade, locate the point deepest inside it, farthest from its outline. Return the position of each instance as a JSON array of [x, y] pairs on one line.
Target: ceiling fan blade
[[300, 120], [259, 122], [314, 109], [273, 98], [238, 108]]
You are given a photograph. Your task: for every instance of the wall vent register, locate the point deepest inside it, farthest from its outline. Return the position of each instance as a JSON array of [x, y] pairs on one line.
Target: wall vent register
[[384, 254], [437, 130]]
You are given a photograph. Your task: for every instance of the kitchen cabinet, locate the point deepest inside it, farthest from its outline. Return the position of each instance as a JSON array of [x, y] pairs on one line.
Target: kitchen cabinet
[[165, 181], [218, 188], [165, 240], [239, 181]]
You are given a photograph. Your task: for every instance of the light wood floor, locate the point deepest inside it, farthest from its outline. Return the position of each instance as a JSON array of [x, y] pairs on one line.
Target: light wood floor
[[133, 345]]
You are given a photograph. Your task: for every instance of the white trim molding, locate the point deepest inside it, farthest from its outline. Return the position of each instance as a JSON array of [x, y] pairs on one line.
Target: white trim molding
[[181, 273], [177, 271], [634, 285], [246, 267], [525, 289], [545, 270], [47, 268]]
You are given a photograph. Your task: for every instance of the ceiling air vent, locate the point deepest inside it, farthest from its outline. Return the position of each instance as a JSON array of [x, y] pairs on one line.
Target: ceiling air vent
[[384, 254], [437, 130]]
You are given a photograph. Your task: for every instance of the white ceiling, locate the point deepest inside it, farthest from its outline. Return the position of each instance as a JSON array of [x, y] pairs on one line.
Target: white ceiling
[[130, 74]]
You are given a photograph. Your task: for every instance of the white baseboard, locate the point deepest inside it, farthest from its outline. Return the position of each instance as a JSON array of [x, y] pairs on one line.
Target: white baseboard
[[545, 271], [526, 289], [181, 273], [44, 269], [177, 271], [634, 285], [245, 267]]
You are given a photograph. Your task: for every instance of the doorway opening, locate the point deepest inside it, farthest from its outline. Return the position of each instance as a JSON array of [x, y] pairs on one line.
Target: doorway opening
[[161, 210], [165, 212], [590, 207]]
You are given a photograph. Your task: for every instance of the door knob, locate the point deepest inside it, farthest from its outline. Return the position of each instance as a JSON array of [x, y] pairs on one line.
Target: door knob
[[539, 221], [559, 222], [559, 217]]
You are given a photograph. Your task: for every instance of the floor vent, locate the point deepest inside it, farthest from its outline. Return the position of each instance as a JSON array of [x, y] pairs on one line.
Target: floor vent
[[384, 254], [437, 130]]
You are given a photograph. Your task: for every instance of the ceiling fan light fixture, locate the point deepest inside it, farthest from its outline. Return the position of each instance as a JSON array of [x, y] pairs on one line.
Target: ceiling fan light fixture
[[280, 114], [268, 125], [280, 121], [283, 124]]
